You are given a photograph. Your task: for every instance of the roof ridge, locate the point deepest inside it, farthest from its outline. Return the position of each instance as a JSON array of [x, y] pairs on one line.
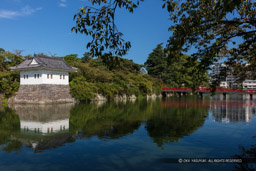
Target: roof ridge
[[45, 61], [45, 56], [66, 63]]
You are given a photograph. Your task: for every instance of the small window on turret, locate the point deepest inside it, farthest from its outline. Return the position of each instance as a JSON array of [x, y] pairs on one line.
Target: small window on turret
[[37, 75], [24, 76], [51, 76], [48, 76], [60, 76], [27, 76], [63, 77]]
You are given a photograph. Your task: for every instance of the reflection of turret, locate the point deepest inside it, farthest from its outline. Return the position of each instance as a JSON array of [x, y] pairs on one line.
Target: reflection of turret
[[232, 110], [43, 126], [44, 118]]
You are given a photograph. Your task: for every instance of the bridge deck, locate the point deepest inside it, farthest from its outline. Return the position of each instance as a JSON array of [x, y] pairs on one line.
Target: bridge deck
[[208, 90]]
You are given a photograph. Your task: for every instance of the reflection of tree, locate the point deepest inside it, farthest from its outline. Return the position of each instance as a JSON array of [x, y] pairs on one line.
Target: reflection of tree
[[41, 142], [173, 123], [9, 126], [164, 124], [248, 155], [110, 120]]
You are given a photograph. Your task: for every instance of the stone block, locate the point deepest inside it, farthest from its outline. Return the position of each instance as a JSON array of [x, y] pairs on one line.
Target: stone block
[[42, 94]]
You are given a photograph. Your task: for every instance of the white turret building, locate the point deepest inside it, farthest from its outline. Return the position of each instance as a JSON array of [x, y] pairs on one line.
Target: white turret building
[[43, 79]]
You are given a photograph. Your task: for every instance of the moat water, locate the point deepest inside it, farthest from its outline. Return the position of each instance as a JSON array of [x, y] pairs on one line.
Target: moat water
[[170, 134]]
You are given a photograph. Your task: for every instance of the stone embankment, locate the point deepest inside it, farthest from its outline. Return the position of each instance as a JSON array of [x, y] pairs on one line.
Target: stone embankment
[[123, 97], [48, 94], [42, 94]]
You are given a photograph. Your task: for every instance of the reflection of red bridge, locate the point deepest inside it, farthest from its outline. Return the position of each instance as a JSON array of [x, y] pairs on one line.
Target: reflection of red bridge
[[224, 91], [207, 103]]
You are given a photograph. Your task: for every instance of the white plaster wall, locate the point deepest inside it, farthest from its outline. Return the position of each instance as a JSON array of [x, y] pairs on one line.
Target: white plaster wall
[[56, 78], [49, 127], [43, 77], [31, 80]]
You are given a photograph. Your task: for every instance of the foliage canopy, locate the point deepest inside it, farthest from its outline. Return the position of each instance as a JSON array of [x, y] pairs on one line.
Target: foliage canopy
[[214, 28]]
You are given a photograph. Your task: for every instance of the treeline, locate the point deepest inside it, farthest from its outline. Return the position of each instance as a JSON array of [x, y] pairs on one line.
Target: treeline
[[113, 76], [105, 76], [117, 76], [9, 81], [176, 70]]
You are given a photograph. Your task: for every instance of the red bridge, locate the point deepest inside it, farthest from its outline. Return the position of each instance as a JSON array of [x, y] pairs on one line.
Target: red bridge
[[224, 91]]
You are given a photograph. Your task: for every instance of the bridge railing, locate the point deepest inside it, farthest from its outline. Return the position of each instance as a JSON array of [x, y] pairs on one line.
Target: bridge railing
[[209, 89]]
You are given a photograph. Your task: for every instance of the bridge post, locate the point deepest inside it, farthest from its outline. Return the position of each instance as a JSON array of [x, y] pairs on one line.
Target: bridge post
[[201, 95], [163, 94], [251, 96], [224, 95], [179, 94]]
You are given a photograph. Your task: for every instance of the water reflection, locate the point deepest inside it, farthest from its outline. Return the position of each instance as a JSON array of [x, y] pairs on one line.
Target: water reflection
[[49, 126], [41, 126], [178, 118], [123, 136], [43, 118], [232, 110], [166, 121], [111, 120]]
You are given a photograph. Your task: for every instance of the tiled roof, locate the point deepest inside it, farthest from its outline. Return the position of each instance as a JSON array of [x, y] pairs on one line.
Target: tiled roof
[[44, 62]]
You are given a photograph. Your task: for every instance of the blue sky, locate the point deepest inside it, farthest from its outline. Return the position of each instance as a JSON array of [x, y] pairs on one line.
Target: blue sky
[[44, 26]]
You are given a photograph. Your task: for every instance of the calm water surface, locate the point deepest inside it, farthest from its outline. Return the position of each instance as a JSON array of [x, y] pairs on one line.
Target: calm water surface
[[139, 135]]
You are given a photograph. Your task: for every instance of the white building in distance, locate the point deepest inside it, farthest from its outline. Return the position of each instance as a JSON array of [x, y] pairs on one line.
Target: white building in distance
[[229, 81], [44, 70], [43, 79]]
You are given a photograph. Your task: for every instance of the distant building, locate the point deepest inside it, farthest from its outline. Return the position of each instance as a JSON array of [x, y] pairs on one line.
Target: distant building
[[227, 80], [43, 79], [249, 84]]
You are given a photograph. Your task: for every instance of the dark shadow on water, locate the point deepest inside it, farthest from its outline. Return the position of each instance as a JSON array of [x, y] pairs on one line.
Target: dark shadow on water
[[248, 156]]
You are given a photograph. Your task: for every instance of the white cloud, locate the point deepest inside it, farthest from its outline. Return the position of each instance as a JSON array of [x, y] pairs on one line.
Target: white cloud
[[62, 5], [25, 11], [7, 14]]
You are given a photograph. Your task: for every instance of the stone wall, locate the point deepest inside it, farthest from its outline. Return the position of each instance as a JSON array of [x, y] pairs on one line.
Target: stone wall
[[42, 94]]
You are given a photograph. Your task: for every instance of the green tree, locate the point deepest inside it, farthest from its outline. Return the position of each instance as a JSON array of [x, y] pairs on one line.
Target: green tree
[[86, 57], [210, 27], [175, 69], [8, 59], [2, 50], [157, 62], [216, 29], [100, 25], [9, 81], [71, 58]]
